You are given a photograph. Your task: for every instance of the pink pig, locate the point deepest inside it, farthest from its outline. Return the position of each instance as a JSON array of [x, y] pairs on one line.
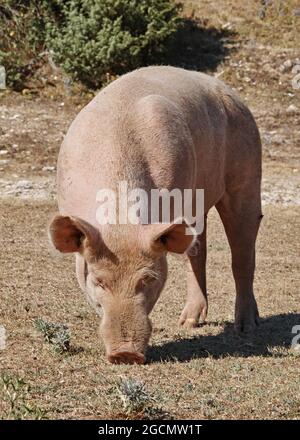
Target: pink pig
[[157, 127]]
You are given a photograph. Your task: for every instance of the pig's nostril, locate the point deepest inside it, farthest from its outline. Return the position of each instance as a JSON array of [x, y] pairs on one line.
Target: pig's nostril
[[126, 357]]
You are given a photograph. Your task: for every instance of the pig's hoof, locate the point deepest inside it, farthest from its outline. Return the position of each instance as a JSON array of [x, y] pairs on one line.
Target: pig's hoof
[[189, 323], [190, 315], [246, 317], [247, 324]]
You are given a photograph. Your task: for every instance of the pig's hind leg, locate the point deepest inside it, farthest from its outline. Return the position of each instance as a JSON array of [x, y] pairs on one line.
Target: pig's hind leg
[[240, 212]]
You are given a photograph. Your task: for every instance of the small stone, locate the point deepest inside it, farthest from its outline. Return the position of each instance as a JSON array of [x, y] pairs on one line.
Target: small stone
[[48, 168], [286, 66], [292, 109], [24, 184]]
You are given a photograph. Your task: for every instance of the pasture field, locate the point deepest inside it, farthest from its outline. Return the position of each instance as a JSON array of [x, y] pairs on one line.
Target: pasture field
[[209, 372]]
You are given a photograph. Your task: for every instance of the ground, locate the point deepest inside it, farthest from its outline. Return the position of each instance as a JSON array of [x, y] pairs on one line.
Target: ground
[[210, 372]]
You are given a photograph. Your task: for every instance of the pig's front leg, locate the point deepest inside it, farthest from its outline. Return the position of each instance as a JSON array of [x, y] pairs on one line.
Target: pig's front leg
[[196, 303]]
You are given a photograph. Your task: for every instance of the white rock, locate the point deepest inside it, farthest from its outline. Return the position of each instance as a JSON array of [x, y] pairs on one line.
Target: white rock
[[24, 184], [47, 168], [292, 109], [286, 66]]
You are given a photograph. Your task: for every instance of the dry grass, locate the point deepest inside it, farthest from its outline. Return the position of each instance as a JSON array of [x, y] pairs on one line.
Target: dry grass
[[273, 22], [211, 372]]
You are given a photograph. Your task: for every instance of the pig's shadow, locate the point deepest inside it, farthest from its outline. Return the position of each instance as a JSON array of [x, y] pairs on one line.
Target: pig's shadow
[[274, 331]]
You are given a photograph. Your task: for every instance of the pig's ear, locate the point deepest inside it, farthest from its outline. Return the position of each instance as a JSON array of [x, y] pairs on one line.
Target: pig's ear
[[71, 234], [176, 237]]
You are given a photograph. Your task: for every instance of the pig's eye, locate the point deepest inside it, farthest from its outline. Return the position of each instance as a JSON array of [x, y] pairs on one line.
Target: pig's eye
[[163, 239], [99, 283]]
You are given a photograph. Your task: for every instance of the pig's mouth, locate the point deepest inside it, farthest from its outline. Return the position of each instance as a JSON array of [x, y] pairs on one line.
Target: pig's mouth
[[127, 353], [126, 357]]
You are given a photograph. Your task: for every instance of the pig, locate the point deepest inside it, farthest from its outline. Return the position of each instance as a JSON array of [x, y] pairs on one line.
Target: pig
[[158, 127]]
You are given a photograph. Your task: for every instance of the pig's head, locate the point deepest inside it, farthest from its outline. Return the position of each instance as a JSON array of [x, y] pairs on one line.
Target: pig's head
[[124, 270]]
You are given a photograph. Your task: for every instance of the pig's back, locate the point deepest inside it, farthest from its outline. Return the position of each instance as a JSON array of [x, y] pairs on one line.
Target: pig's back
[[154, 127]]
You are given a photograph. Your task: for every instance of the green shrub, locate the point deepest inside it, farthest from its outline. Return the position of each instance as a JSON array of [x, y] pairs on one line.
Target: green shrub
[[89, 39], [21, 39], [129, 398], [56, 334], [15, 393], [93, 38]]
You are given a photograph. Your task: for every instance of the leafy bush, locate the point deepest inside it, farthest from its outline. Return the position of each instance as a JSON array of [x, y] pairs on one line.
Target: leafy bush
[[94, 38], [89, 39], [56, 334], [21, 38], [16, 395], [129, 398]]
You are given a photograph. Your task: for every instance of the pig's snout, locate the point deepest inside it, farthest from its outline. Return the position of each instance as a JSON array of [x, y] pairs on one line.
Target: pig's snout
[[125, 333], [126, 354]]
